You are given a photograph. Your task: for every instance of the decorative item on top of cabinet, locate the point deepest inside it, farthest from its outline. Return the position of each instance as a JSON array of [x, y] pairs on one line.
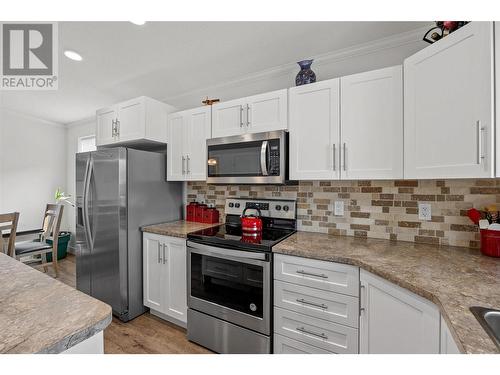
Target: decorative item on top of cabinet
[[448, 102], [137, 121], [442, 29], [306, 75], [210, 101], [164, 277], [188, 132], [253, 114]]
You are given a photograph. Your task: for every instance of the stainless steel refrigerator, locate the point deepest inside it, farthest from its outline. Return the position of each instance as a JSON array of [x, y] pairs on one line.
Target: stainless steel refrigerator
[[119, 190]]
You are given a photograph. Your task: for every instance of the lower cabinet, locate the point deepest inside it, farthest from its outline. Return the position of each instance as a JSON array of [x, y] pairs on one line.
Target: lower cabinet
[[286, 345], [164, 277], [394, 320], [448, 345]]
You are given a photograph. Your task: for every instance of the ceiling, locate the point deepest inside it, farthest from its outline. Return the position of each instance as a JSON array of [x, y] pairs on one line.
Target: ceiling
[[165, 59]]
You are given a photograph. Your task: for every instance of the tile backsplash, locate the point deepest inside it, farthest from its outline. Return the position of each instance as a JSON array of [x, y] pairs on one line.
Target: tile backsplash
[[377, 209]]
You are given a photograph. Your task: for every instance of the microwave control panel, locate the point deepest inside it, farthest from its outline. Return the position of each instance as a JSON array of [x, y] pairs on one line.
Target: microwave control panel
[[274, 157]]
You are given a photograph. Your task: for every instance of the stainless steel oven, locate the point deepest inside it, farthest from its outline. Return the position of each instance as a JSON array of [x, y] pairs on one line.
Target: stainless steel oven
[[229, 297], [260, 158]]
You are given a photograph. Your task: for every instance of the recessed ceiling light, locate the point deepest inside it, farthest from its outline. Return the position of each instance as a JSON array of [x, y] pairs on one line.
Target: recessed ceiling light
[[73, 55], [138, 23]]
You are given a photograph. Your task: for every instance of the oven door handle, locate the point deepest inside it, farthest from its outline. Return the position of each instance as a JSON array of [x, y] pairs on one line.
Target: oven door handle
[[263, 158], [220, 252]]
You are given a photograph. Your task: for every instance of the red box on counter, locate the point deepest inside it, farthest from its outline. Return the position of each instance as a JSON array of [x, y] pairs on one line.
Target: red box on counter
[[200, 208], [191, 211], [211, 215], [490, 242]]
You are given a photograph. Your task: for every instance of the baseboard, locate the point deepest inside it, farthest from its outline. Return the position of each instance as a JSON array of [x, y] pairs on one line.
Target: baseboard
[[170, 319]]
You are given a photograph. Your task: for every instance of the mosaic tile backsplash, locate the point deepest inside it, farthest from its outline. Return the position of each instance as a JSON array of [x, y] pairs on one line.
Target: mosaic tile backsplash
[[376, 209]]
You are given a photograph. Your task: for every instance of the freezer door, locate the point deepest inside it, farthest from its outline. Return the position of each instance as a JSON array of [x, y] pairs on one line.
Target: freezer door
[[108, 228], [82, 244]]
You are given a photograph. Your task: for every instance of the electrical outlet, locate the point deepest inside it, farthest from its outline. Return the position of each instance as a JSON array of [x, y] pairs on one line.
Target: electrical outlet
[[424, 211], [339, 208]]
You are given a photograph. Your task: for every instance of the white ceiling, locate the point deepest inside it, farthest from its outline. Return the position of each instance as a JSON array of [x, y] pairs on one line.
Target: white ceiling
[[169, 59]]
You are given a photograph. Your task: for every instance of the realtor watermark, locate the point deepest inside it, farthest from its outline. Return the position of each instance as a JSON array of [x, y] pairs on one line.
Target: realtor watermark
[[28, 56]]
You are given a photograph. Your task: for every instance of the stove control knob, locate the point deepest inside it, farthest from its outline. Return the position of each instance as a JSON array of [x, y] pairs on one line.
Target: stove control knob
[[231, 205], [285, 208], [278, 207], [237, 205]]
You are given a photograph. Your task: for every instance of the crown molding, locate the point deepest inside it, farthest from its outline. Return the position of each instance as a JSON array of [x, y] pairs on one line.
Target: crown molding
[[387, 43]]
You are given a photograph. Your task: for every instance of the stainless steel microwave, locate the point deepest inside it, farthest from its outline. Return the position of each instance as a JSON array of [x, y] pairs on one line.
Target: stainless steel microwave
[[260, 158]]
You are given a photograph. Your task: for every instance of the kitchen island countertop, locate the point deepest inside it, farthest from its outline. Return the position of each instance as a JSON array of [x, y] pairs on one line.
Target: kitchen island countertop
[[453, 278]]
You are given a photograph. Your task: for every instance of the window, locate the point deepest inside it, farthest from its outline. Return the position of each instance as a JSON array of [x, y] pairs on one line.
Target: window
[[86, 144]]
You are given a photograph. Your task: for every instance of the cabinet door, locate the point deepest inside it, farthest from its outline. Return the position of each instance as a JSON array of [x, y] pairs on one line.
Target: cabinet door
[[132, 120], [286, 345], [176, 167], [314, 131], [152, 272], [372, 124], [448, 97], [104, 126], [176, 280], [448, 344], [394, 320], [267, 112], [228, 118], [198, 132]]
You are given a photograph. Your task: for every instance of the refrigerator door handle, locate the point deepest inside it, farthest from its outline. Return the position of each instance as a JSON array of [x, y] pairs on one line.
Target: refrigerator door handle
[[86, 218]]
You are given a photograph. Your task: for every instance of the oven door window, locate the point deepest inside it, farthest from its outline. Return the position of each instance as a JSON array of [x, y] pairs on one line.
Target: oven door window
[[235, 285], [235, 159]]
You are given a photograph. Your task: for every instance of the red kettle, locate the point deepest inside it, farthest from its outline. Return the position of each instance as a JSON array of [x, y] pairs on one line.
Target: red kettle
[[251, 223]]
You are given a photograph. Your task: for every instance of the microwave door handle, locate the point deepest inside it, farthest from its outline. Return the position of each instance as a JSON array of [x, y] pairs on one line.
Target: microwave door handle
[[263, 158]]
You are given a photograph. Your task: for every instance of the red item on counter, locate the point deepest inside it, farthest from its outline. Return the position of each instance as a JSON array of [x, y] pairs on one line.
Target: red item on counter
[[191, 211], [251, 223], [211, 215], [200, 208], [490, 242]]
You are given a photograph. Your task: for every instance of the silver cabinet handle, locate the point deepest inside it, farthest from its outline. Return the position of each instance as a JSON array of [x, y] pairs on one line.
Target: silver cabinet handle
[[159, 256], [164, 260], [113, 129], [480, 130], [117, 127], [187, 164], [334, 161], [361, 308], [303, 330], [320, 305], [345, 163], [248, 115], [183, 169], [241, 116], [302, 272]]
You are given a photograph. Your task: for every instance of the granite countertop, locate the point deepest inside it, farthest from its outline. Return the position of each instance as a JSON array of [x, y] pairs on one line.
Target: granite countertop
[[179, 228], [39, 314], [453, 278]]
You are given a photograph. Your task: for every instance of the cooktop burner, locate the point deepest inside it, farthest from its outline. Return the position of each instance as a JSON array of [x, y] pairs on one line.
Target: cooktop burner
[[228, 235]]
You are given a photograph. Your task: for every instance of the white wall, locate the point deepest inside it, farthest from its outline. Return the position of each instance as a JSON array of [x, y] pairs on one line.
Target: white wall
[[74, 131], [32, 166]]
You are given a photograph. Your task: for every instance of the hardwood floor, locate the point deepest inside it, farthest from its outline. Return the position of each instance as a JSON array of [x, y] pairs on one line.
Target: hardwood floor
[[146, 334]]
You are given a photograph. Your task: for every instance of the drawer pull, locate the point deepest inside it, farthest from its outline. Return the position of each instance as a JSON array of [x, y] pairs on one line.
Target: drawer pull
[[320, 305], [302, 272], [303, 330]]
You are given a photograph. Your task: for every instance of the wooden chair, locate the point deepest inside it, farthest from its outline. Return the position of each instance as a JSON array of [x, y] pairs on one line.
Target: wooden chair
[[50, 231], [8, 222]]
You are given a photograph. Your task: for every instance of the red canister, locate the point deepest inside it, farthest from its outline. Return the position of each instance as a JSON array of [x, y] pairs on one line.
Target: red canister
[[490, 242], [191, 211], [211, 215], [200, 208]]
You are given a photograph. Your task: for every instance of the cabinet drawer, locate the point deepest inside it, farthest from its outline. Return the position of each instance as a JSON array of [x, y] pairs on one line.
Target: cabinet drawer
[[329, 336], [333, 277], [286, 345], [334, 307]]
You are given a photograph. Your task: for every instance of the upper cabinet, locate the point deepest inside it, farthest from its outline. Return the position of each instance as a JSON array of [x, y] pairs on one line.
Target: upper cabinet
[[371, 124], [253, 114], [137, 120], [448, 101], [188, 132], [349, 128], [314, 127]]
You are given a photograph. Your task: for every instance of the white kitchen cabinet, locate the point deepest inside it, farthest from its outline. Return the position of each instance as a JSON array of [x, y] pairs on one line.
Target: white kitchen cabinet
[[188, 132], [164, 277], [448, 105], [393, 320], [372, 124], [286, 345], [314, 127], [138, 120], [448, 344], [253, 114]]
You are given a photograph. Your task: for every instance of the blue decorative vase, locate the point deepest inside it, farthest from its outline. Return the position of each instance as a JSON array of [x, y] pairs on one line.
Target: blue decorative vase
[[306, 75]]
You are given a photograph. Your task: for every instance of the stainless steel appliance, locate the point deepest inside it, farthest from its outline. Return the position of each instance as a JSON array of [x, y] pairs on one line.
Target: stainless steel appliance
[[118, 190], [230, 278], [260, 158]]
